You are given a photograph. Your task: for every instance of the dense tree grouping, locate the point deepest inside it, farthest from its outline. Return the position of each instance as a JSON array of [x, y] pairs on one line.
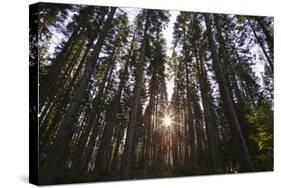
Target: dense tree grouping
[[104, 109]]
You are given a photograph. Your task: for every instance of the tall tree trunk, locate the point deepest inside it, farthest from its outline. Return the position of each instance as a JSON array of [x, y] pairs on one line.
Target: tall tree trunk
[[58, 93], [103, 151], [209, 116], [189, 118], [235, 128], [67, 127], [127, 155], [57, 65], [241, 107], [96, 112]]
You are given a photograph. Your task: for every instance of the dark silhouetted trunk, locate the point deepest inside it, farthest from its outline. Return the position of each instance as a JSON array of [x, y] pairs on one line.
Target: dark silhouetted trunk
[[240, 145]]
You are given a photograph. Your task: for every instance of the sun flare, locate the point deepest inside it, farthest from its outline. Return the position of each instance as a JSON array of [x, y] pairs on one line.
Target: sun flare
[[167, 121]]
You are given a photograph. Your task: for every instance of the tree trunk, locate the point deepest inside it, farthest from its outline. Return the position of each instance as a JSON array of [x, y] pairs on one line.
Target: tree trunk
[[67, 127], [235, 129], [209, 116], [127, 155]]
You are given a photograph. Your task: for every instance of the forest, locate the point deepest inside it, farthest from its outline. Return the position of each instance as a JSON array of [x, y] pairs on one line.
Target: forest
[[130, 93]]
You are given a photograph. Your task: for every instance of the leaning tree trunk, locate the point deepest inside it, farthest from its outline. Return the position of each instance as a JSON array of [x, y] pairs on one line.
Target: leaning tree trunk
[[67, 127], [240, 145], [104, 151], [240, 107]]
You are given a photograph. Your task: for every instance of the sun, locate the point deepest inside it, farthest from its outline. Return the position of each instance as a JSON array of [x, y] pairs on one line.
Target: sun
[[167, 121]]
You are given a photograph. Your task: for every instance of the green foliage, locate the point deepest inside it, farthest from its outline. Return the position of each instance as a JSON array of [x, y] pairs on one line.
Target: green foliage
[[261, 119]]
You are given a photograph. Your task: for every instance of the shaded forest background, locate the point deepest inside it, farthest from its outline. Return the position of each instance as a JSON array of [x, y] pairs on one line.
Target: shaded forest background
[[103, 101]]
